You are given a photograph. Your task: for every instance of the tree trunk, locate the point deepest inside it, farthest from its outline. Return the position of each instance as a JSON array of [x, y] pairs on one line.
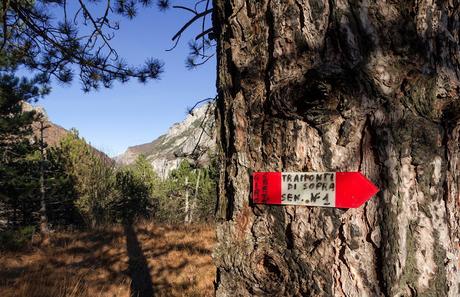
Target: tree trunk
[[195, 198], [187, 208], [369, 86], [44, 230]]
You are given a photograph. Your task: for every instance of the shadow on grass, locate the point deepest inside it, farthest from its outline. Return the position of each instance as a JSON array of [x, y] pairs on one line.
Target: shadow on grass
[[138, 268], [129, 260]]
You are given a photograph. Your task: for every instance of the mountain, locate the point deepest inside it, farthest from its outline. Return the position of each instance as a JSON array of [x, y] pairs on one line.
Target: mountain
[[192, 139], [53, 133]]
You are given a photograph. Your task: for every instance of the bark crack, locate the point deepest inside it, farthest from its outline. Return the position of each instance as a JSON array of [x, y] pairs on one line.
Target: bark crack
[[343, 245], [270, 49], [269, 65], [290, 244], [361, 144], [235, 17], [341, 256], [445, 186], [301, 15], [378, 252]]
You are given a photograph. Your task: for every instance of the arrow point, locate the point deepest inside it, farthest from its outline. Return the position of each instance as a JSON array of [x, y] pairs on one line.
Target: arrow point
[[353, 189]]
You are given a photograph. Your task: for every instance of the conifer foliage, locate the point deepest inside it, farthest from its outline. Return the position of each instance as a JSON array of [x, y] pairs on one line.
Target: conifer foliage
[[21, 163], [32, 35], [17, 152]]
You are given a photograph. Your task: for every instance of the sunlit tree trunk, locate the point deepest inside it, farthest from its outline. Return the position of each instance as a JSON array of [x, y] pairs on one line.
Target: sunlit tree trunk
[[187, 202], [195, 197], [368, 86]]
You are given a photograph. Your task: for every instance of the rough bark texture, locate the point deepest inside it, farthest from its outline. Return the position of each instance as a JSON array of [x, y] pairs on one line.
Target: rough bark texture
[[338, 85]]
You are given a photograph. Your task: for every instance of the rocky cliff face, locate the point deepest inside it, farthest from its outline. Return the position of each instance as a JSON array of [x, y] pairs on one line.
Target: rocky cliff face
[[190, 139]]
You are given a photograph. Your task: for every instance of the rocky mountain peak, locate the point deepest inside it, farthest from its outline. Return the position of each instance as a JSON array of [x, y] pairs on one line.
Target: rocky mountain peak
[[191, 139]]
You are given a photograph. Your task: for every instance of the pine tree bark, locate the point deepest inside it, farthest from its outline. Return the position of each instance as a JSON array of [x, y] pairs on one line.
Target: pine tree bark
[[336, 85]]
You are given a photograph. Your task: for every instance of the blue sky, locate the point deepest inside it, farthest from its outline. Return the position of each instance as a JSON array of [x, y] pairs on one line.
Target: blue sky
[[134, 113]]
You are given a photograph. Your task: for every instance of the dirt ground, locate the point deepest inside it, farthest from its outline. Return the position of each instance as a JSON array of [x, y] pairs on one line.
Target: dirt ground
[[143, 261]]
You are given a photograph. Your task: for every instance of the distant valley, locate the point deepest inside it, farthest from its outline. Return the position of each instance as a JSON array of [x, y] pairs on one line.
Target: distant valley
[[192, 139]]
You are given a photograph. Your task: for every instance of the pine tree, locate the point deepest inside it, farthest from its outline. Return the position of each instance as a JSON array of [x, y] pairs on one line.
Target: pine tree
[[143, 170], [18, 182], [187, 183], [93, 177], [133, 196], [61, 190]]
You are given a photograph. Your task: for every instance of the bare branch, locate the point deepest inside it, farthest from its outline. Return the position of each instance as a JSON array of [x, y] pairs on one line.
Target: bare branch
[[202, 25], [190, 110], [97, 28], [175, 44], [198, 3], [191, 21], [203, 33], [185, 8]]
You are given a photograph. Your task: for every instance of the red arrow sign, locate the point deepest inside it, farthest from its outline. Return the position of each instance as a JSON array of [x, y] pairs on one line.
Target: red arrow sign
[[330, 189]]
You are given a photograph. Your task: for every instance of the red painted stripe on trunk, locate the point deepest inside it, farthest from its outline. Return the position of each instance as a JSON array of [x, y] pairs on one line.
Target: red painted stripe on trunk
[[352, 189], [266, 187]]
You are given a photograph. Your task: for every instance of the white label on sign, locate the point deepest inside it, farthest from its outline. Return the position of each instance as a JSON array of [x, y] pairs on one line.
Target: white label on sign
[[312, 188]]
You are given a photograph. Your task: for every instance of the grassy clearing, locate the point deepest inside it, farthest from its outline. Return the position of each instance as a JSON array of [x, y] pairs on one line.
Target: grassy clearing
[[136, 260]]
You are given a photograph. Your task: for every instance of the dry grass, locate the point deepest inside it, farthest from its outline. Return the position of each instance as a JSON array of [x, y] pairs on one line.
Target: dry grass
[[139, 261]]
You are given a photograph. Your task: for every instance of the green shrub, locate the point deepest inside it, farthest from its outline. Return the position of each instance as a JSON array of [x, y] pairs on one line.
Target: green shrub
[[16, 239], [134, 197]]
